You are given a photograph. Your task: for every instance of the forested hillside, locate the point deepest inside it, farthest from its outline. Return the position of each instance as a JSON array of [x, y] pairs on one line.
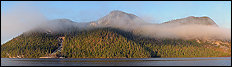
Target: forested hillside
[[121, 35], [115, 43], [30, 45], [107, 43]]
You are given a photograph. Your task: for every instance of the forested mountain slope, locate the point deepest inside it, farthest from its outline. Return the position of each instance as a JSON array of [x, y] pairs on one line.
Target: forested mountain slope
[[119, 35], [108, 43]]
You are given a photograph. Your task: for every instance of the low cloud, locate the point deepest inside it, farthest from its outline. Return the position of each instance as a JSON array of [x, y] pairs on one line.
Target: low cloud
[[19, 19], [190, 31]]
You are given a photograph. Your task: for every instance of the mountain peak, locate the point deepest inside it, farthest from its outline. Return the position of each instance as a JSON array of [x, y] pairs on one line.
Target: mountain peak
[[120, 14], [118, 17], [117, 12], [193, 20]]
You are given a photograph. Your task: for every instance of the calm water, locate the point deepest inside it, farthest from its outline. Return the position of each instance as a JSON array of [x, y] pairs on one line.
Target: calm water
[[213, 61]]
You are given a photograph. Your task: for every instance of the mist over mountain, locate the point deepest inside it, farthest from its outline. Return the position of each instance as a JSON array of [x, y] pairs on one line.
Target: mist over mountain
[[59, 26], [193, 20], [121, 35], [119, 19], [186, 28], [203, 28]]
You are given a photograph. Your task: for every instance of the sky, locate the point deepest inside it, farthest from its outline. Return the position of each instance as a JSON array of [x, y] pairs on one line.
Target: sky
[[150, 11]]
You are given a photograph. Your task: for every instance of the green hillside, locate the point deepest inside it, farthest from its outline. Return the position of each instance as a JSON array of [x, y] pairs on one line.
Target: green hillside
[[107, 43], [32, 45]]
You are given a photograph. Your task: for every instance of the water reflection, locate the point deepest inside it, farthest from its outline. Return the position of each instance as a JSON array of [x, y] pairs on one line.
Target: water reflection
[[213, 61]]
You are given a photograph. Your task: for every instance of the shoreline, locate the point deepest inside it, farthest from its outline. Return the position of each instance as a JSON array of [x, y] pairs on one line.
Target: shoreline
[[129, 58]]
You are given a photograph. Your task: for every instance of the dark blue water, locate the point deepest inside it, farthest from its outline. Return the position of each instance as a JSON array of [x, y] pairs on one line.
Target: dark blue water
[[213, 61]]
